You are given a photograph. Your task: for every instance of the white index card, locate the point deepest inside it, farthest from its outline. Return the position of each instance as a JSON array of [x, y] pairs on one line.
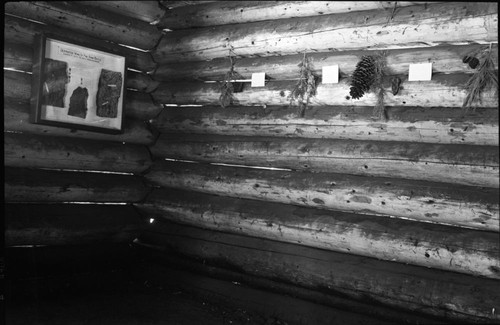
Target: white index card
[[420, 71], [258, 79], [330, 74]]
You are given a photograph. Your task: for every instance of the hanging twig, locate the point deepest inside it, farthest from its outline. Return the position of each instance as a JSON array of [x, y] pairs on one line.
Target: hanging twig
[[305, 87]]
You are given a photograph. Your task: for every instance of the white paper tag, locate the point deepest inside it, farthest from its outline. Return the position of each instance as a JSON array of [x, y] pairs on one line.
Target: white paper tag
[[330, 74], [420, 71], [258, 79]]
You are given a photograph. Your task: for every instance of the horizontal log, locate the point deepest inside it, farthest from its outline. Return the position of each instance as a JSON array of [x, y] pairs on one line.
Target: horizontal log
[[39, 185], [141, 106], [147, 11], [171, 4], [36, 151], [426, 125], [159, 274], [441, 91], [442, 247], [66, 224], [100, 24], [267, 304], [412, 26], [450, 163], [17, 116], [237, 12], [444, 59], [439, 293], [458, 205], [141, 82], [18, 57], [22, 31]]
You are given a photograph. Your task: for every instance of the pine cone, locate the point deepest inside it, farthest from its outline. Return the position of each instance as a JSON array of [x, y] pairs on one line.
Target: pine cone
[[473, 63], [363, 77]]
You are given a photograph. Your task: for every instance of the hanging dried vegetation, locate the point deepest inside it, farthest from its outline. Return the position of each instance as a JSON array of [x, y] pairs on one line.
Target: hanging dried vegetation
[[484, 78], [305, 87], [368, 76], [228, 86]]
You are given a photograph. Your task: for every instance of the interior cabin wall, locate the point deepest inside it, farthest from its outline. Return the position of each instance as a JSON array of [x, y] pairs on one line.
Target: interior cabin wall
[[69, 193], [400, 211], [393, 218]]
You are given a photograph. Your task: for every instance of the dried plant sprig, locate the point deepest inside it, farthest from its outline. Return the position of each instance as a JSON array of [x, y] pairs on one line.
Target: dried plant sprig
[[305, 88], [484, 78], [379, 111], [227, 86]]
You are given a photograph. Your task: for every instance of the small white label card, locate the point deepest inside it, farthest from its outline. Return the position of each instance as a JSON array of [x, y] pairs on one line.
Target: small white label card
[[258, 79], [420, 71], [330, 74]]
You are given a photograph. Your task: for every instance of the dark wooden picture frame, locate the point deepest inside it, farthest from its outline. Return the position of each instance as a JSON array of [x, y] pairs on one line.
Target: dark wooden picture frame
[[77, 85]]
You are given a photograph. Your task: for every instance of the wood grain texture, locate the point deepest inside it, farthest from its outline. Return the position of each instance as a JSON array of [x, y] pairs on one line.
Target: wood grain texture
[[448, 248], [412, 26], [457, 164], [40, 185], [36, 151], [434, 292], [141, 106], [66, 224], [17, 116], [147, 11], [21, 31], [441, 91], [412, 124], [463, 206], [237, 12], [101, 24], [444, 59]]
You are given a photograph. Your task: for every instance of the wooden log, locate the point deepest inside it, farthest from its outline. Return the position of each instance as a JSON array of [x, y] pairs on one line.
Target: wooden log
[[412, 26], [147, 11], [141, 106], [450, 163], [16, 120], [268, 305], [457, 205], [157, 274], [18, 57], [444, 59], [66, 224], [100, 24], [425, 125], [442, 247], [236, 12], [433, 292], [141, 82], [441, 91], [171, 4], [35, 151], [39, 185], [22, 31]]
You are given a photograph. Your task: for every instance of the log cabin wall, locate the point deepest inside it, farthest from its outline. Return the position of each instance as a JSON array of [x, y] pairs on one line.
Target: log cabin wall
[[69, 193], [401, 212]]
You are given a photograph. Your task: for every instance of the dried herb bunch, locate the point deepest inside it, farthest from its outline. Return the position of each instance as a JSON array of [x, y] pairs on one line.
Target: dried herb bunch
[[305, 87], [228, 87], [368, 76], [484, 78]]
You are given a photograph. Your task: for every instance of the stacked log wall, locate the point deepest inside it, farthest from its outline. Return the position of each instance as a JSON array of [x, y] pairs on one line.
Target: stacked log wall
[[69, 187], [402, 211]]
